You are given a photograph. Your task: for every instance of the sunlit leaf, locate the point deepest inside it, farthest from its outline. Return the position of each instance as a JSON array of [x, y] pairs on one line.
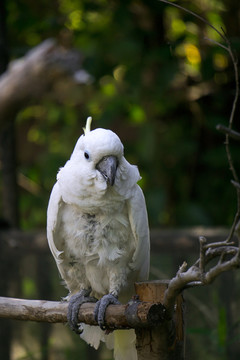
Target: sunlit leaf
[[137, 114], [192, 54]]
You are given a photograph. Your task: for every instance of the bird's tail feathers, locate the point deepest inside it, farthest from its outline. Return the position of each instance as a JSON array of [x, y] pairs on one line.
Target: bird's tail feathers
[[93, 335], [124, 345], [123, 341]]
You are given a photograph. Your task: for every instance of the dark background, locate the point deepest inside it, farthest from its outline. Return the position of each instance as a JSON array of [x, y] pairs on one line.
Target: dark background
[[162, 87]]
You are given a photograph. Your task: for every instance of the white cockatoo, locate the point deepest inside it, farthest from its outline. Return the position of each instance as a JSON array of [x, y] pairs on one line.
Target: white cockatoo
[[98, 233]]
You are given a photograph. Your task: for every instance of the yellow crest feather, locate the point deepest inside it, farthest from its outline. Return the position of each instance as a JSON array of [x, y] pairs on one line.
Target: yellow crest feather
[[88, 125]]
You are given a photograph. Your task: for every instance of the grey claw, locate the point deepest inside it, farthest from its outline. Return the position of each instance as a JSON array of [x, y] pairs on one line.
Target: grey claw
[[73, 308], [101, 306]]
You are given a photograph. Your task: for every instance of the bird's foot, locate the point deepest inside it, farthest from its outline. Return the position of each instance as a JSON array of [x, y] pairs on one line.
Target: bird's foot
[[73, 308], [101, 306]]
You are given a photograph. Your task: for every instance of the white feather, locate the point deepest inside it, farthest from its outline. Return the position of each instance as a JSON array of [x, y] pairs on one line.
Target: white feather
[[52, 217]]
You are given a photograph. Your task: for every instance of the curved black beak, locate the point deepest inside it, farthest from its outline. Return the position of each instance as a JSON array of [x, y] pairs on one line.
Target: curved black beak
[[107, 166]]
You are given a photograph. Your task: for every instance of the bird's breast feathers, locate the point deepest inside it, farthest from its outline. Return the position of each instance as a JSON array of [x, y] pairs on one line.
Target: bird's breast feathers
[[101, 237]]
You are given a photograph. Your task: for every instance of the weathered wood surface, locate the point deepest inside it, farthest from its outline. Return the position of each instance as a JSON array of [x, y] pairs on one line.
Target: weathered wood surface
[[131, 315], [164, 341]]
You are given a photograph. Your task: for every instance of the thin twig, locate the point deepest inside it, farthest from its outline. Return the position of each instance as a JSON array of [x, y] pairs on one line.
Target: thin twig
[[218, 244], [227, 131], [196, 16], [236, 184], [212, 253], [217, 43], [236, 219], [202, 241]]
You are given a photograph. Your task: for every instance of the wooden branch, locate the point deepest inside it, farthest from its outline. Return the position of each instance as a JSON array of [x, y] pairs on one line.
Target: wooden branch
[[132, 315], [28, 78], [197, 275], [212, 253], [33, 310]]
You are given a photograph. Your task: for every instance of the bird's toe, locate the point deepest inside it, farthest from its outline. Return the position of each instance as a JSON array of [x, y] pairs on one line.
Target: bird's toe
[[73, 309], [101, 306]]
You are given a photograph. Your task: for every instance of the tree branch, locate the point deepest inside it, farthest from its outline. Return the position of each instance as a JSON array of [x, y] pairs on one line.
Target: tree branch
[[132, 315], [196, 275], [28, 78]]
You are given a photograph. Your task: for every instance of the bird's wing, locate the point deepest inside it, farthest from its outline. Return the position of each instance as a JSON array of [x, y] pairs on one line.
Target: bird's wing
[[56, 240], [54, 206], [139, 223]]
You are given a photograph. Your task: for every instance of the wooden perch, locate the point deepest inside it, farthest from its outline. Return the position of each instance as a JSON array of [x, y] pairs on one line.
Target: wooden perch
[[145, 313], [27, 79], [132, 315]]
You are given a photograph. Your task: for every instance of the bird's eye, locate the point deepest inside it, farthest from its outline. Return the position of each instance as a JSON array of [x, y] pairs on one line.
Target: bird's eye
[[86, 155]]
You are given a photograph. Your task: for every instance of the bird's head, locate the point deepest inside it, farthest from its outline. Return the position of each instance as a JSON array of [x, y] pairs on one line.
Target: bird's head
[[99, 150], [97, 165]]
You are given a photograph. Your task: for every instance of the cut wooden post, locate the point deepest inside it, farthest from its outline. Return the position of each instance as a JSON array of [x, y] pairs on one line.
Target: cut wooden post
[[166, 340]]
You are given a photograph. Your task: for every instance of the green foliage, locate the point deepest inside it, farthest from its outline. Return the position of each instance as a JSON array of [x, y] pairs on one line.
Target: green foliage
[[157, 83], [28, 287]]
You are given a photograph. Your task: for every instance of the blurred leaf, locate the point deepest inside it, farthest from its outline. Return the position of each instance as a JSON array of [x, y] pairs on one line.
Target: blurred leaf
[[28, 287]]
